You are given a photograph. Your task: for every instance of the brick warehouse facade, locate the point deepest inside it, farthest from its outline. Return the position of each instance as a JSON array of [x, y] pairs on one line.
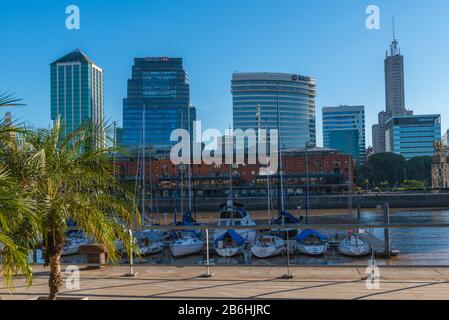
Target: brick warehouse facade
[[329, 172]]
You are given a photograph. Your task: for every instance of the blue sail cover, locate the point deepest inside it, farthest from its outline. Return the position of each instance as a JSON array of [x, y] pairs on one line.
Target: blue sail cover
[[187, 219], [288, 218], [310, 232], [234, 235]]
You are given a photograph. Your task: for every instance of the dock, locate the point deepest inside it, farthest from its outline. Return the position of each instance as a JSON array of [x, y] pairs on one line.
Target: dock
[[168, 282]]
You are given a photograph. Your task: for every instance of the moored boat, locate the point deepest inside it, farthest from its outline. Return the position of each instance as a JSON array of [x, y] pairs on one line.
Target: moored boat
[[229, 244], [267, 246], [186, 245], [287, 234], [311, 242], [148, 247], [353, 246], [75, 239], [235, 214]]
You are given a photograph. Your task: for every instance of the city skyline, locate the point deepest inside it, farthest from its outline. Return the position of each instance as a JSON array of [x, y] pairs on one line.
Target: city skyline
[[209, 90]]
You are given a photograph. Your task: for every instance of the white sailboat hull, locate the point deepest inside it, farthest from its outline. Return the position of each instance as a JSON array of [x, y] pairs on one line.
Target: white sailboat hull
[[266, 251], [353, 248], [71, 250], [179, 250], [229, 251], [155, 247], [312, 250]]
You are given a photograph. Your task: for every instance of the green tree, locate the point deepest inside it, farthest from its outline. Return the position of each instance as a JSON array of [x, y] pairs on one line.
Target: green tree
[[16, 213], [419, 168], [70, 178], [385, 167], [413, 184]]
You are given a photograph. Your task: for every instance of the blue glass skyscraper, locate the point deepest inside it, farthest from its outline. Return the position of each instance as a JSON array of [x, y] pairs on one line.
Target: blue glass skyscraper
[[344, 129], [158, 102], [413, 136], [77, 91]]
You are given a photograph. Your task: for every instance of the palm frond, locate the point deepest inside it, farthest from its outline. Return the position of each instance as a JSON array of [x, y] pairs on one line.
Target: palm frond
[[8, 100]]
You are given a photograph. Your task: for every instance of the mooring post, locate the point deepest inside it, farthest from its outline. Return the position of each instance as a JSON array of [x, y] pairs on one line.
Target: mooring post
[[288, 275], [208, 274], [131, 272], [387, 230]]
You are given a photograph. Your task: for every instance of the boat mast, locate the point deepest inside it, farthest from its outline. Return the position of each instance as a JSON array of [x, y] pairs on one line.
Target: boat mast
[[281, 196], [143, 165], [231, 195], [351, 181], [190, 161], [258, 116], [181, 171]]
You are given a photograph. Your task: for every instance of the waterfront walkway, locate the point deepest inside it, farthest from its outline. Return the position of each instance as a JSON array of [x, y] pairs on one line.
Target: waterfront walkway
[[162, 282]]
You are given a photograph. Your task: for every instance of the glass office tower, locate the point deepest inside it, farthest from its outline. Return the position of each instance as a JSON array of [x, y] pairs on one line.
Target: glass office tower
[[344, 129], [412, 136], [77, 93], [158, 102], [257, 97]]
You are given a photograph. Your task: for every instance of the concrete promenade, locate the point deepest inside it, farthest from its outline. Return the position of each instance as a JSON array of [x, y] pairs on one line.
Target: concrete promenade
[[166, 282]]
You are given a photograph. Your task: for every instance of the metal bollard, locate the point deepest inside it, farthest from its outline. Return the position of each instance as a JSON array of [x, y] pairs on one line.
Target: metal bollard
[[208, 274], [288, 275], [131, 272], [387, 230]]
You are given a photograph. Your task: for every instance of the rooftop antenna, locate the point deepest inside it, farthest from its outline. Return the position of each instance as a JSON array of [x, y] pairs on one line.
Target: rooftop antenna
[[394, 44], [394, 31]]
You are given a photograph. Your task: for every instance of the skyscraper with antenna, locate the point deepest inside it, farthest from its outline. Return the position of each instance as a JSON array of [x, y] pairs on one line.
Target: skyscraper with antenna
[[394, 79], [394, 92]]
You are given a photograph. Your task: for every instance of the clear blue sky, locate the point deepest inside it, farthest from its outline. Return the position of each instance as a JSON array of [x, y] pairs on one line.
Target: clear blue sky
[[326, 39]]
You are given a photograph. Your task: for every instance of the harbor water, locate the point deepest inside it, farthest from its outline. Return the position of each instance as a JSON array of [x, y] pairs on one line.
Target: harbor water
[[424, 246]]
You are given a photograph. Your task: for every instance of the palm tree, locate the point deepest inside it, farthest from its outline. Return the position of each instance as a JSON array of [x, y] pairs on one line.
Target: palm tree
[[16, 215], [70, 178], [8, 100]]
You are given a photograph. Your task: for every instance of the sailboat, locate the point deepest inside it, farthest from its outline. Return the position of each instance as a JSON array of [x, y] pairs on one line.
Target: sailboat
[[187, 241], [229, 244], [268, 246], [75, 239], [286, 218], [187, 244], [149, 242], [353, 246], [311, 242], [235, 214]]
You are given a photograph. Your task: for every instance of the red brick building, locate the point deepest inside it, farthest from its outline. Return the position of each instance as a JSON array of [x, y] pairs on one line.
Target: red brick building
[[328, 170]]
